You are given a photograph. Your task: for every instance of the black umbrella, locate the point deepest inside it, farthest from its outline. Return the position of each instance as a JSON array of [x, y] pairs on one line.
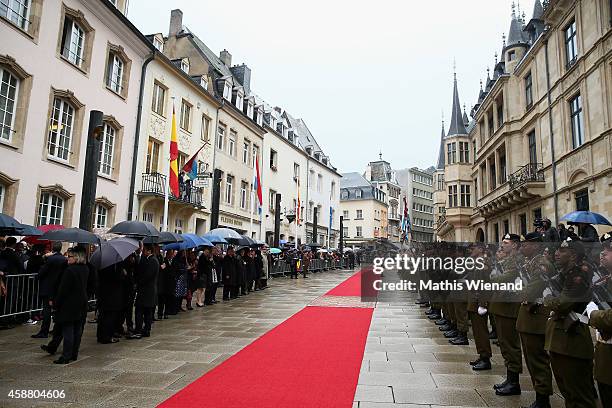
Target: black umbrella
[[165, 237], [76, 235], [29, 231], [314, 245], [9, 225], [243, 241], [113, 251], [135, 229]]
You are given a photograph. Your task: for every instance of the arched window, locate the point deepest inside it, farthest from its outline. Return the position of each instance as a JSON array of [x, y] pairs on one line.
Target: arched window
[[61, 123], [50, 209], [107, 150], [9, 88]]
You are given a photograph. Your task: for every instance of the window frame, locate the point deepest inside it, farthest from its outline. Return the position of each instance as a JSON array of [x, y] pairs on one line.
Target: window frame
[[46, 207], [185, 116], [98, 215], [158, 103], [570, 41], [577, 120], [103, 155], [4, 110], [58, 136], [528, 82]]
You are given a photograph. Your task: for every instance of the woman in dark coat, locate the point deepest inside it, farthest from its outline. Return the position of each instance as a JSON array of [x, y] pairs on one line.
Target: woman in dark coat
[[110, 302], [230, 271], [166, 284], [70, 306], [204, 278], [182, 280], [251, 269]]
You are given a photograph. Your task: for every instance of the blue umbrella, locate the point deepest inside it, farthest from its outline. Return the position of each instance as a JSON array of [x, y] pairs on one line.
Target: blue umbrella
[[189, 241], [214, 238], [586, 217]]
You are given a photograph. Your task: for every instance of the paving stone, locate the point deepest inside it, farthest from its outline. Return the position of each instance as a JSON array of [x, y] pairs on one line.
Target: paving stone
[[134, 397], [146, 380], [189, 356], [373, 393], [146, 366], [398, 356], [446, 396], [397, 379], [467, 380], [391, 366]]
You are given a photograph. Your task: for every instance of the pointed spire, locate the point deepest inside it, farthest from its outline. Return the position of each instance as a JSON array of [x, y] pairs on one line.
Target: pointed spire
[[515, 33], [466, 119], [457, 127], [538, 10], [440, 165], [495, 57]]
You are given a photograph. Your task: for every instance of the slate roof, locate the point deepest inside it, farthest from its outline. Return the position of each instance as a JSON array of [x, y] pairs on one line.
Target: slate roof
[[457, 127], [441, 151]]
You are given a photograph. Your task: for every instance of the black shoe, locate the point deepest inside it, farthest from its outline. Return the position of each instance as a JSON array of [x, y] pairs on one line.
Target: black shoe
[[434, 317], [509, 389], [451, 334], [446, 327], [541, 401], [482, 365], [39, 336], [133, 336], [46, 348], [460, 340], [493, 335], [502, 384], [441, 322], [166, 316], [431, 311], [474, 362], [424, 305], [61, 360]]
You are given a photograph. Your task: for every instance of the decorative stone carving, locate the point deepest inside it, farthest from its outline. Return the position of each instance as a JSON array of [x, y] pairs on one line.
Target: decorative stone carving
[[579, 161], [157, 128]]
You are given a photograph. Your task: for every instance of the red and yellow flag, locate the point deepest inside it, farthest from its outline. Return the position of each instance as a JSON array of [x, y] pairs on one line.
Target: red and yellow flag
[[174, 183]]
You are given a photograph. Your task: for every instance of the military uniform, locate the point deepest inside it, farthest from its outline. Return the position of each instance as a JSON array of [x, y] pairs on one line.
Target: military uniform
[[571, 346], [602, 321], [480, 329], [506, 314], [531, 326]]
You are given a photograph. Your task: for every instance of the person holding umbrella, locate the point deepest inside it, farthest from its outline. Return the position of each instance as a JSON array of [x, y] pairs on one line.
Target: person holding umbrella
[[48, 278], [146, 291], [230, 270], [70, 307], [205, 278], [109, 302], [166, 283]]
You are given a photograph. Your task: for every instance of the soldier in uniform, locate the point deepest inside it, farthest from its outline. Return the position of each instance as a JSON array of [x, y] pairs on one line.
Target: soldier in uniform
[[602, 321], [568, 340], [505, 313], [460, 306], [477, 311], [532, 317]]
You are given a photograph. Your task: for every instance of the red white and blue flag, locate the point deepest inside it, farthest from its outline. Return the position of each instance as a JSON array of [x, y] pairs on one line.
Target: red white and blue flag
[[191, 167]]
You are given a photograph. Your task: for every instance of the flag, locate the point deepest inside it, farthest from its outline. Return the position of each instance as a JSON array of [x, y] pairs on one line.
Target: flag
[[174, 183], [191, 167], [257, 185], [297, 208], [405, 220]]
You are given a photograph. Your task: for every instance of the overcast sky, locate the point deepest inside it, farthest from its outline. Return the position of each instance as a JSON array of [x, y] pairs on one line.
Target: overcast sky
[[365, 76]]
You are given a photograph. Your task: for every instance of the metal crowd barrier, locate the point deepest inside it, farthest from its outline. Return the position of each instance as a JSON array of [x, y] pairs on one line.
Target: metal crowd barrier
[[282, 268], [22, 296]]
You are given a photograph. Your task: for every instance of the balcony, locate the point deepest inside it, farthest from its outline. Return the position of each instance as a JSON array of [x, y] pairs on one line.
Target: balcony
[[531, 172], [154, 184], [523, 186]]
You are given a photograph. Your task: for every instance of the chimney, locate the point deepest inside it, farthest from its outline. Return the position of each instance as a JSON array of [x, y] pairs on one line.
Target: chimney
[[176, 22], [243, 75], [226, 58]]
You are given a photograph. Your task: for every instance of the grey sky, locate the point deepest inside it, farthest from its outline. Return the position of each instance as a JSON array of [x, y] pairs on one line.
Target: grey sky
[[365, 76]]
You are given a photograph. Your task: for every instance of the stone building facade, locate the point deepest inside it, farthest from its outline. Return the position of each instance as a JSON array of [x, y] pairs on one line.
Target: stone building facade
[[417, 187], [382, 176], [540, 137]]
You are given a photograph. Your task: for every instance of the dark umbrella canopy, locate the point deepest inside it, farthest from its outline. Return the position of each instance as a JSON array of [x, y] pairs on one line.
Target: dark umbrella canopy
[[6, 222], [165, 237], [586, 217], [135, 229], [76, 235], [215, 239], [29, 231], [113, 251]]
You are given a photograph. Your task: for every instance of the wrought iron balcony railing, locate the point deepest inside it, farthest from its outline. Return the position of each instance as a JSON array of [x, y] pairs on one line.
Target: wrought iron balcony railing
[[155, 183], [527, 173]]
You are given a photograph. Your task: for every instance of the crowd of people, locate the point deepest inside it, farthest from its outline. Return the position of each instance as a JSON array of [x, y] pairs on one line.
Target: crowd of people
[[566, 286], [149, 285]]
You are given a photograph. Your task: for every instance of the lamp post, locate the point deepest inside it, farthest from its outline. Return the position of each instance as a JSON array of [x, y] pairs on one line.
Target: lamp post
[[90, 172]]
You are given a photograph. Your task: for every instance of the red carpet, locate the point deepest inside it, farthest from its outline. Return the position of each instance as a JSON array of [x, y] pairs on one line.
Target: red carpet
[[310, 360], [350, 287]]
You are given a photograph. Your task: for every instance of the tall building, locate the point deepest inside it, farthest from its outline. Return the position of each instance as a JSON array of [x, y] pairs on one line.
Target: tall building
[[417, 187], [58, 61], [539, 143], [239, 133], [364, 210], [383, 177]]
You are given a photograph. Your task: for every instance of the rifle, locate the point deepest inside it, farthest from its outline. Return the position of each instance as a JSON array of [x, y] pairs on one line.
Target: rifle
[[601, 294], [556, 287]]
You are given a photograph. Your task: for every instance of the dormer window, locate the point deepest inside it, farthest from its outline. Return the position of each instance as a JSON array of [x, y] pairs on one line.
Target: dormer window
[[317, 156], [250, 108], [279, 128], [185, 65], [158, 43], [358, 193], [309, 150], [204, 82], [239, 100], [272, 122], [227, 90], [260, 114]]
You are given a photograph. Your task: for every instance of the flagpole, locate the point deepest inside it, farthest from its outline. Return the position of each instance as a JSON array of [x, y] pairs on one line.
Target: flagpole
[[167, 183]]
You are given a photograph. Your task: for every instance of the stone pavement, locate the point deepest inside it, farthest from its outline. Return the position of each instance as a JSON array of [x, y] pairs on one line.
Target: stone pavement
[[408, 364], [142, 373]]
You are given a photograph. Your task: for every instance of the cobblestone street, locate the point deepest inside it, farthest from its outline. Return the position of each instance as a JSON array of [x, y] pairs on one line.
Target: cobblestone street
[[407, 362]]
